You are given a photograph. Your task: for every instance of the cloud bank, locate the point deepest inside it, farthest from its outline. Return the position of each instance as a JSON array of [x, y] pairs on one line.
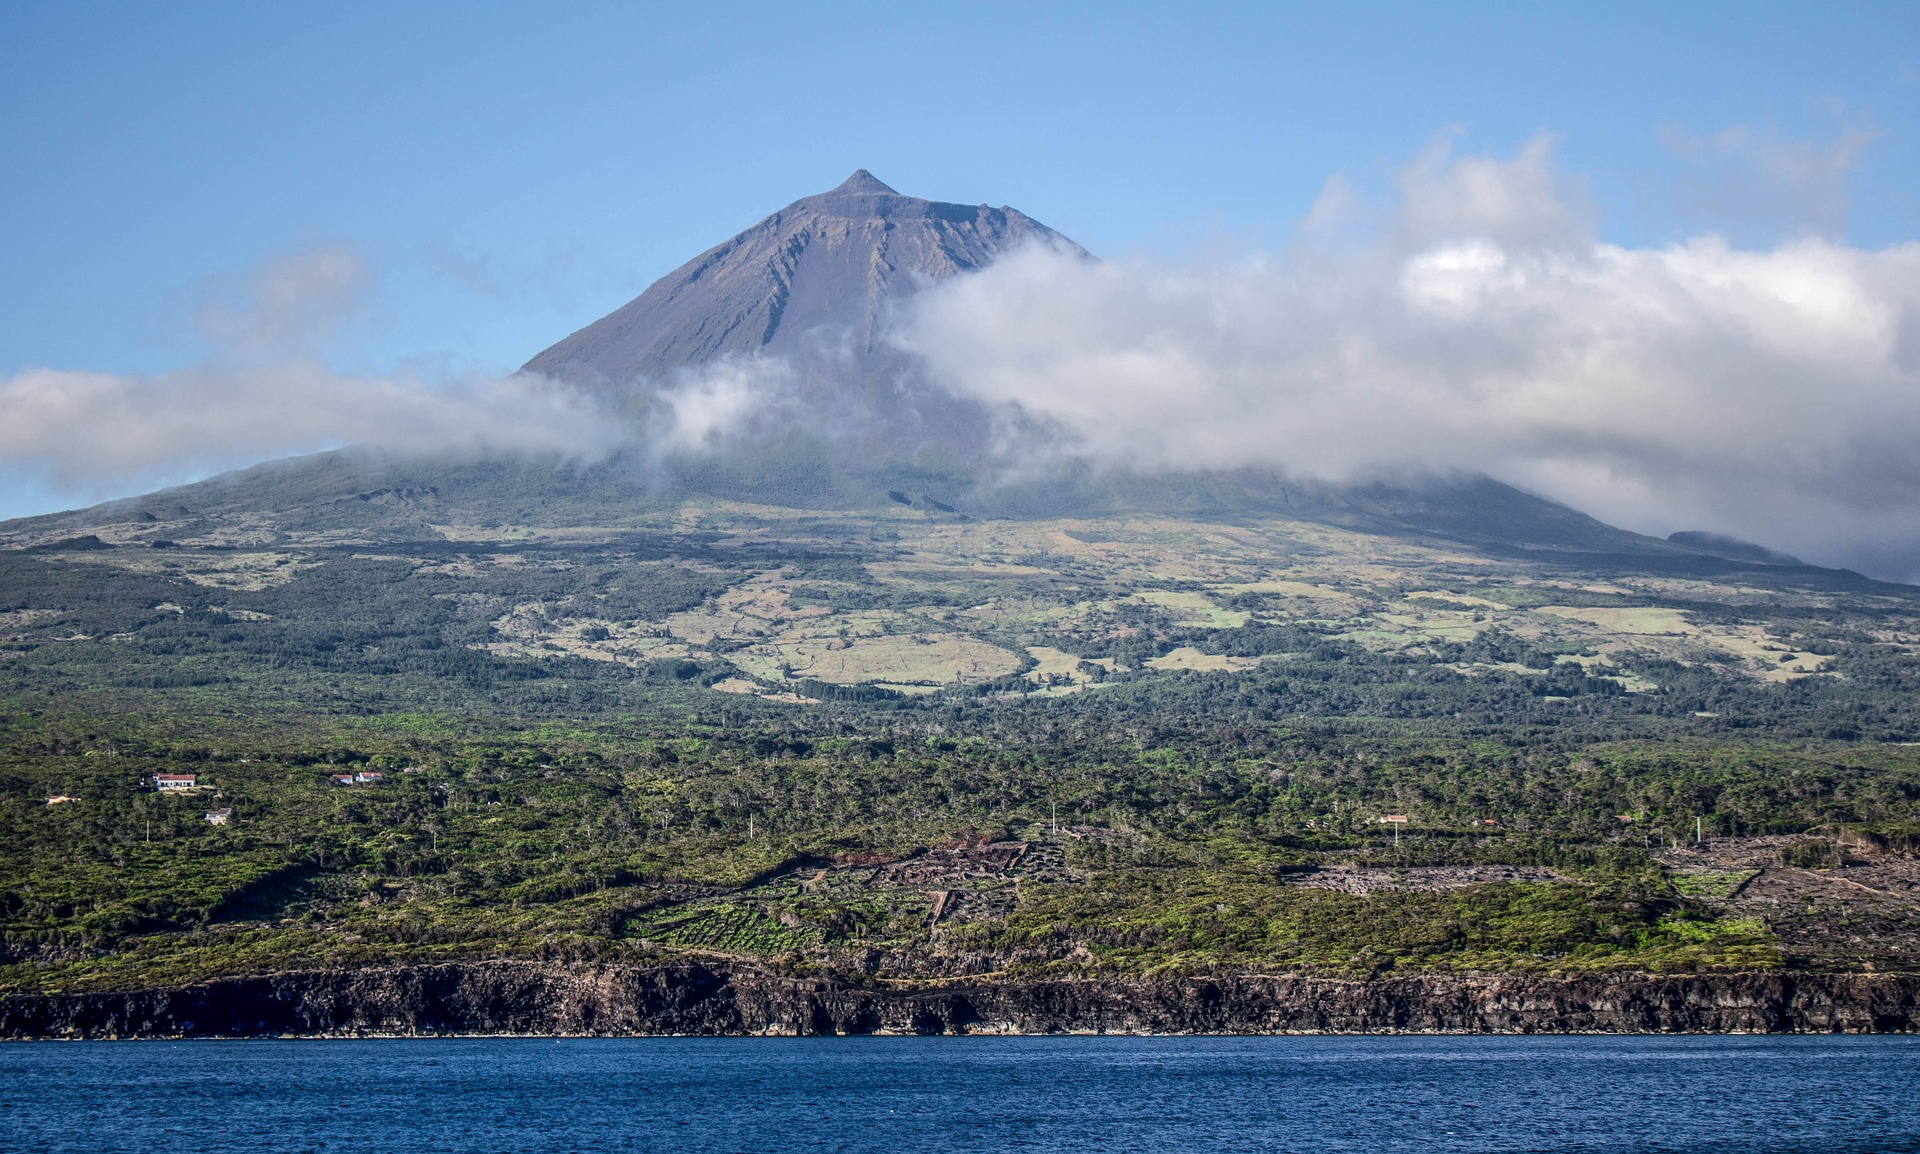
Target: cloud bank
[[1481, 326], [265, 390]]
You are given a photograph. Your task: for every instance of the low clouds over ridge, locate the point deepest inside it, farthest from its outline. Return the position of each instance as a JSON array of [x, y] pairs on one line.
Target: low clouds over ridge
[[265, 390], [1482, 326]]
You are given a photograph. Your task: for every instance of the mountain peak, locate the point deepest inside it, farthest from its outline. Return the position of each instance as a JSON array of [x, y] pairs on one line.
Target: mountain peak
[[817, 275], [862, 183]]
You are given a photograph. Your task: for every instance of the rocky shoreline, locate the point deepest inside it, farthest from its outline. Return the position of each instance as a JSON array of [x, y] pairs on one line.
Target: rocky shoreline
[[548, 998]]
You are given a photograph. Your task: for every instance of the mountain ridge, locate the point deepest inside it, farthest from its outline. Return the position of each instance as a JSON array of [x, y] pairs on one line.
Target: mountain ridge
[[385, 497]]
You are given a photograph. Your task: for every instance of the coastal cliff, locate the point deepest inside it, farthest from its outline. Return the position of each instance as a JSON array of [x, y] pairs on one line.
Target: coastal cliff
[[718, 999]]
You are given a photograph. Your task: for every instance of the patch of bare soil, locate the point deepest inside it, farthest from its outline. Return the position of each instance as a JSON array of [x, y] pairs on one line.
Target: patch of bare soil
[[963, 881], [1860, 911], [953, 864]]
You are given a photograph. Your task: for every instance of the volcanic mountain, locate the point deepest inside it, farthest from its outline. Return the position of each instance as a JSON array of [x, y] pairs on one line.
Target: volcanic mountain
[[803, 299], [624, 742]]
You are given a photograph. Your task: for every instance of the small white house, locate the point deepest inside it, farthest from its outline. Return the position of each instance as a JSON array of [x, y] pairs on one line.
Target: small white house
[[218, 816], [167, 781]]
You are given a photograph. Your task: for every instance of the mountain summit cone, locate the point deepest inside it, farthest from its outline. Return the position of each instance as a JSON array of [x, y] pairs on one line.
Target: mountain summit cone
[[809, 283], [863, 181]]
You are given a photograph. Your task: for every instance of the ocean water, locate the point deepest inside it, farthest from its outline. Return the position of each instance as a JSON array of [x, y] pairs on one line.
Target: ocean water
[[922, 1095]]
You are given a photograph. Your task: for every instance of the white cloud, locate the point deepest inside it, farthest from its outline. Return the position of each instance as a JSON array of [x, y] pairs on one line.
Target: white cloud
[[289, 307], [1747, 177], [1525, 200], [704, 407], [264, 392], [89, 430], [1769, 393]]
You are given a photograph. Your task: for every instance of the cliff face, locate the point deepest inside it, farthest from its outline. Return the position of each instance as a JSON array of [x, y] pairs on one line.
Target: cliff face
[[549, 998]]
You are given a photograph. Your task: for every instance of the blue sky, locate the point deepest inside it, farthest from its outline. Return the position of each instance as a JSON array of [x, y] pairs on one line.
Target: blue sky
[[508, 172], [512, 171]]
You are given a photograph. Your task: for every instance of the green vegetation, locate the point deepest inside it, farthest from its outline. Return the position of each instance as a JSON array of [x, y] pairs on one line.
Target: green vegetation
[[896, 747], [824, 847]]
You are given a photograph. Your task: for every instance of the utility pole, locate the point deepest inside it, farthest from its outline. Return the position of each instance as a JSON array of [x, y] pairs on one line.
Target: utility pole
[[749, 827], [1056, 818], [1696, 830]]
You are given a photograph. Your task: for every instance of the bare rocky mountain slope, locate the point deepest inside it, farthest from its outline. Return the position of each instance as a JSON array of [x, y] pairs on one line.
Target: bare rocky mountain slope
[[811, 285], [824, 263]]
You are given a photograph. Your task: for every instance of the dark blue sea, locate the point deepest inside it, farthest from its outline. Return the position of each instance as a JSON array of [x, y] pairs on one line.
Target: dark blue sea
[[920, 1095]]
